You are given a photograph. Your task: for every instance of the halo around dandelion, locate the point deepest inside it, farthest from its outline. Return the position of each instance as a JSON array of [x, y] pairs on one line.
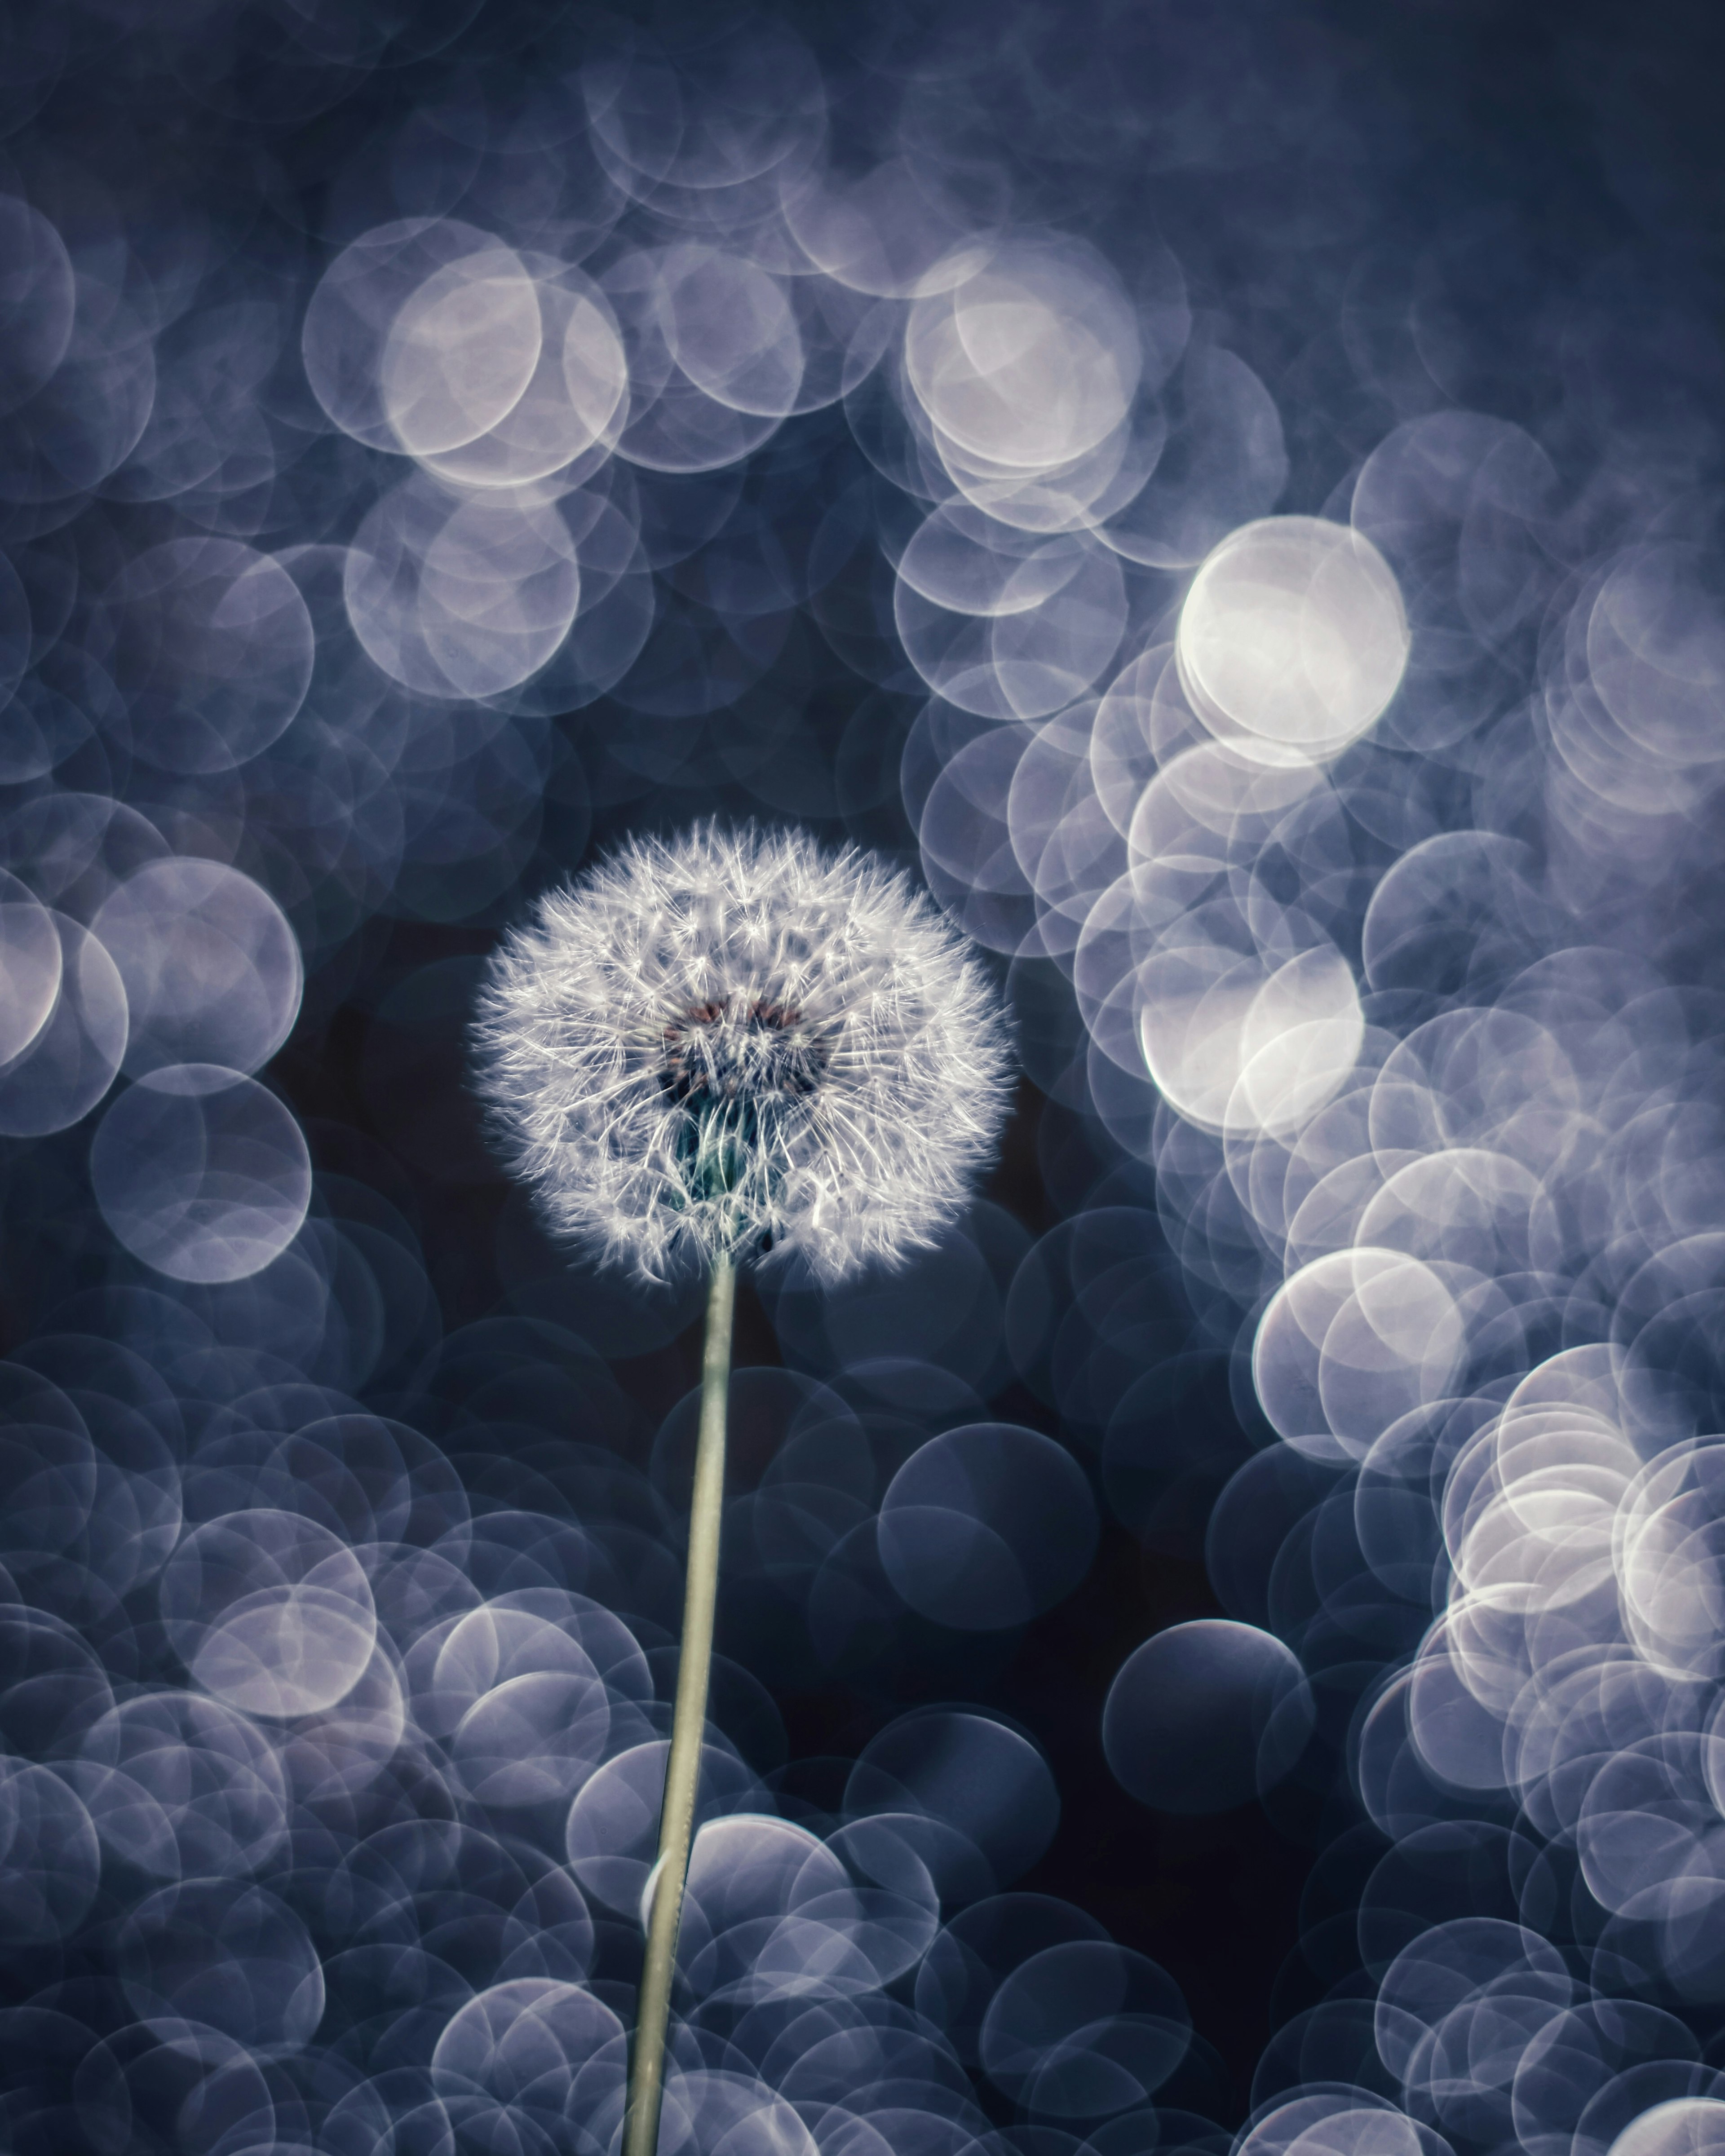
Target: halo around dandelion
[[739, 1042]]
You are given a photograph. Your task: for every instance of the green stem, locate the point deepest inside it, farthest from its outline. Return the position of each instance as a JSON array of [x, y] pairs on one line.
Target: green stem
[[682, 1773]]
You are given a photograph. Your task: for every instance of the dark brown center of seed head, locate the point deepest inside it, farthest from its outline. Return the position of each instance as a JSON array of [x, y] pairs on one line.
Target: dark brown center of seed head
[[746, 1051]]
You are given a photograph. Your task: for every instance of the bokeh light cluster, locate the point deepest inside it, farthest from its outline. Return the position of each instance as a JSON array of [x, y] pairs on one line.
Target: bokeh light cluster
[[1276, 604]]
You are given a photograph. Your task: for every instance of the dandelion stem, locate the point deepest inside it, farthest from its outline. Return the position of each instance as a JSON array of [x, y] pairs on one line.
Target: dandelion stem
[[682, 1774]]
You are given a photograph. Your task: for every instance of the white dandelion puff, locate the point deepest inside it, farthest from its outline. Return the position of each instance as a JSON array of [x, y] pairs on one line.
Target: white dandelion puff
[[737, 1042]]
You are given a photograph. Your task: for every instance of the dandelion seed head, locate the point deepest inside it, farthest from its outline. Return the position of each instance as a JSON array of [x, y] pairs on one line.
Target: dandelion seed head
[[738, 1041]]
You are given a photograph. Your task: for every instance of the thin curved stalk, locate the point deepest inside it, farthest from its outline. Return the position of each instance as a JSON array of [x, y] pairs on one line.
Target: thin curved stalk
[[682, 1773]]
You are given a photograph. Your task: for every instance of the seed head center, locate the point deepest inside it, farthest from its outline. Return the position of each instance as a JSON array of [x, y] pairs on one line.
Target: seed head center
[[742, 1051]]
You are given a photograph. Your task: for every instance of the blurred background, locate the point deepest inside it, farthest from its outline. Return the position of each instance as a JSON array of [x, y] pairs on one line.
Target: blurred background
[[1230, 499]]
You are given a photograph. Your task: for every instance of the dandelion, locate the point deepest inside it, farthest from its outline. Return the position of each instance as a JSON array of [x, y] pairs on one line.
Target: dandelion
[[724, 1049], [739, 1043]]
